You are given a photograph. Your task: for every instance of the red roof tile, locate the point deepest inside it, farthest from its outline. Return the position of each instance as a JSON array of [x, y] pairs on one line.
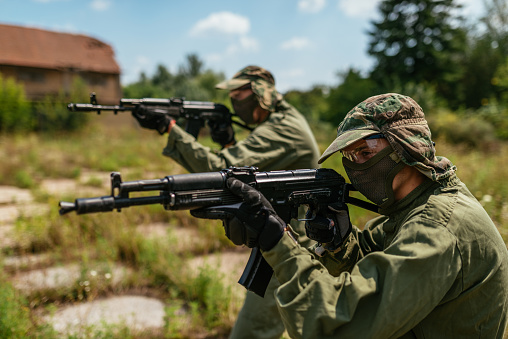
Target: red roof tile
[[32, 47]]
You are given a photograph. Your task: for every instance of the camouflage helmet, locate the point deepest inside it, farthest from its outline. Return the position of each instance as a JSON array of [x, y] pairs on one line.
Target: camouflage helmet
[[262, 83], [402, 122]]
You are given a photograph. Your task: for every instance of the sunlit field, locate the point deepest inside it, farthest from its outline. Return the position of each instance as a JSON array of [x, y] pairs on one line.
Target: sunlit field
[[157, 266]]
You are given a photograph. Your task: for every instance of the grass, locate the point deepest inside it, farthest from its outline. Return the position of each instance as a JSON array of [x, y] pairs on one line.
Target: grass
[[201, 305]]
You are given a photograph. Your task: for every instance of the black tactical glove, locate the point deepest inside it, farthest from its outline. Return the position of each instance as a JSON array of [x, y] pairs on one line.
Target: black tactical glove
[[328, 225], [151, 120], [253, 222], [222, 132]]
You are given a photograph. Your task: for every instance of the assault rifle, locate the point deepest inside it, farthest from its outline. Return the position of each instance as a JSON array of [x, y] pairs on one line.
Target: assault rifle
[[286, 191], [195, 113]]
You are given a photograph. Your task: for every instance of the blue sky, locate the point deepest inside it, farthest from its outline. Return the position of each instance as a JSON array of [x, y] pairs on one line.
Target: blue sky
[[303, 42]]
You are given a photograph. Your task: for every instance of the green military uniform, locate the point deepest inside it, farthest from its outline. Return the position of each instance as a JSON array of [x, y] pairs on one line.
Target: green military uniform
[[436, 267], [282, 142], [433, 265]]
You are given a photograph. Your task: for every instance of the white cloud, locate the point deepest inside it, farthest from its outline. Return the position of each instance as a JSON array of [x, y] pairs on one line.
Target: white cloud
[[213, 57], [142, 60], [311, 6], [244, 44], [359, 8], [223, 23], [100, 5], [249, 44], [232, 25], [296, 43]]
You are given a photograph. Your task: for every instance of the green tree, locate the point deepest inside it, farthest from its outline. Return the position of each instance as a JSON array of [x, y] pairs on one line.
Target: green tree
[[352, 90], [421, 41], [479, 69], [163, 78], [191, 82], [312, 104], [193, 67], [144, 88], [496, 23], [207, 81], [501, 81], [486, 56]]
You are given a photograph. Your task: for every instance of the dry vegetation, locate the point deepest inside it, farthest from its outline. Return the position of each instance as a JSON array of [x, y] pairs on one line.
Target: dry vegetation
[[156, 264]]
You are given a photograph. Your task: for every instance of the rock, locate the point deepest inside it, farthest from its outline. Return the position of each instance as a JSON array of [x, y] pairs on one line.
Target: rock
[[62, 276], [14, 195], [137, 312]]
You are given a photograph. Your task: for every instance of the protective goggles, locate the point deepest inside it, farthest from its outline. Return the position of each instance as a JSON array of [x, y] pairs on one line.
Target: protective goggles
[[370, 146], [244, 87]]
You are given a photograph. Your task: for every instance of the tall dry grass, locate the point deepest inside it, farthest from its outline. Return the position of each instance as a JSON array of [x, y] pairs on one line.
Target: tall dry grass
[[111, 238]]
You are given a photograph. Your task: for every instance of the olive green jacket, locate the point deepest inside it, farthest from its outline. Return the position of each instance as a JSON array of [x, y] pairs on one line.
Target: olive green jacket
[[283, 141], [436, 267]]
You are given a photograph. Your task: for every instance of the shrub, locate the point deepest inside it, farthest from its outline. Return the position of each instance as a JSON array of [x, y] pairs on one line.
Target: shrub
[[463, 129], [15, 114], [495, 113], [52, 114]]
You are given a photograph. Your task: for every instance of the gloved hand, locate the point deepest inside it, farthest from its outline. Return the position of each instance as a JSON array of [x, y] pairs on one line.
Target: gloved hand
[[253, 222], [222, 132], [328, 225], [157, 121]]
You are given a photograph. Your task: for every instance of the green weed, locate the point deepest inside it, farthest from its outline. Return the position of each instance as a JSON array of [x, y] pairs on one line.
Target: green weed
[[198, 304]]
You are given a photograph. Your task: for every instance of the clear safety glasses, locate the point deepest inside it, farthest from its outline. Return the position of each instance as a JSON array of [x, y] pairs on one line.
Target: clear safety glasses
[[369, 147]]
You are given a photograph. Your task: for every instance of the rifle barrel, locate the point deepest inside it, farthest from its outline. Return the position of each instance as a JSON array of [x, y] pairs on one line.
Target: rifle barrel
[[92, 108], [66, 207]]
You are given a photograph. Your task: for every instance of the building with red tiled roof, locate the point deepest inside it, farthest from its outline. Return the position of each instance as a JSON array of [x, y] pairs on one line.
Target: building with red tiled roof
[[46, 62]]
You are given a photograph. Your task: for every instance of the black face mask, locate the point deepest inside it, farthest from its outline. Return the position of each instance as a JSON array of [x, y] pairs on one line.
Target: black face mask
[[374, 177], [245, 108]]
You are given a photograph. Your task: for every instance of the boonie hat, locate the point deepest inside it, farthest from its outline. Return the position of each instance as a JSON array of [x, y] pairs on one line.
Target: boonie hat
[[262, 84], [402, 122]]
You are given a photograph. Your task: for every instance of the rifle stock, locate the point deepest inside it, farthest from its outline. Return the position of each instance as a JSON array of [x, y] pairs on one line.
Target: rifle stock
[[286, 191]]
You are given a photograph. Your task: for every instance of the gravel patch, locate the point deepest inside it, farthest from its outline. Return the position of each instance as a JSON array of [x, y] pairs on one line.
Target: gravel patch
[[9, 213], [28, 261], [66, 187], [13, 195], [60, 277], [137, 312]]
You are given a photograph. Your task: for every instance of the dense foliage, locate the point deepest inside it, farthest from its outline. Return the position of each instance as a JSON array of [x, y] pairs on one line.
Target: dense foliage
[[418, 41], [191, 81], [17, 114], [14, 107]]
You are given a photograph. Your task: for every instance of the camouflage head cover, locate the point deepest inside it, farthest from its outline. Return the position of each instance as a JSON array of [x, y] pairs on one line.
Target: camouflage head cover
[[262, 83], [402, 122]]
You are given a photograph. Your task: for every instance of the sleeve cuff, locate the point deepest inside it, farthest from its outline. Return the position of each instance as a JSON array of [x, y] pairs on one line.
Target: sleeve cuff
[[173, 136], [286, 248]]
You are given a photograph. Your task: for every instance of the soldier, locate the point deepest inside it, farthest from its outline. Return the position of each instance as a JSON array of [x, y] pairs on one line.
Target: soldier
[[282, 139], [433, 265]]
